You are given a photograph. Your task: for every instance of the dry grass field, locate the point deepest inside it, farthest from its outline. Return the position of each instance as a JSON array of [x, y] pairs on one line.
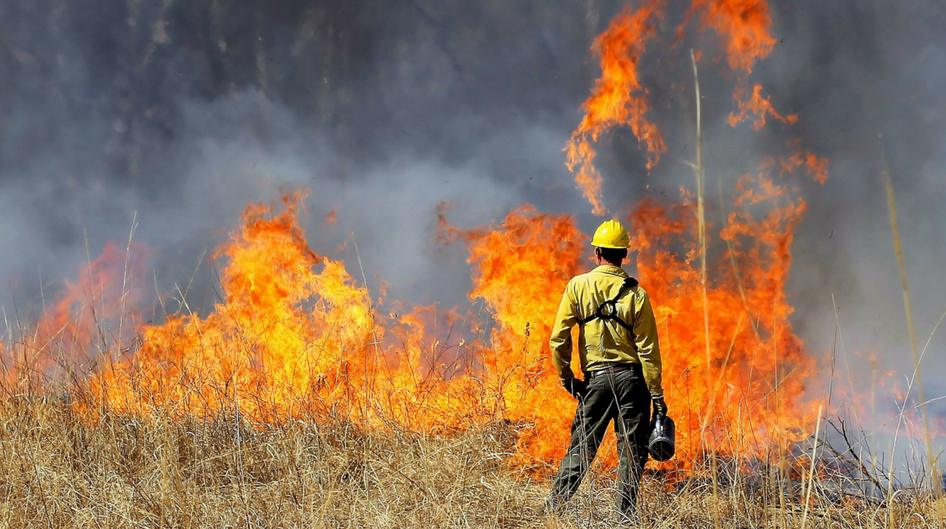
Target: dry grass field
[[61, 470]]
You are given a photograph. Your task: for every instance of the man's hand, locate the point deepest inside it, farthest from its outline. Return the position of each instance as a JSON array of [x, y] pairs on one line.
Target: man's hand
[[660, 407], [576, 387]]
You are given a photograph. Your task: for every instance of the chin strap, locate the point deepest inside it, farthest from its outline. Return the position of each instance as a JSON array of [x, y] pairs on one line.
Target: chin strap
[[608, 310]]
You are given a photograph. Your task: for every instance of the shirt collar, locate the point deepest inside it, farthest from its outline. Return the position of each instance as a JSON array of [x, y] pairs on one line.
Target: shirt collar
[[611, 269]]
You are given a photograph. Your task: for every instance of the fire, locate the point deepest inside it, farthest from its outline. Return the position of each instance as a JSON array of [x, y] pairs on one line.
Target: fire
[[520, 270], [753, 385], [617, 99], [752, 392], [758, 106], [745, 29], [815, 166], [331, 218], [743, 25], [88, 325], [296, 336], [285, 335]]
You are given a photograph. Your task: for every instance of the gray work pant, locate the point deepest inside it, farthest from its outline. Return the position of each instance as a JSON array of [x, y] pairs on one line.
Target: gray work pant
[[620, 396]]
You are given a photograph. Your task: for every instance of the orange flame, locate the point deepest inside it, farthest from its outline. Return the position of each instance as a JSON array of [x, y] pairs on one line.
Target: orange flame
[[331, 218], [744, 26], [745, 29], [283, 334], [757, 106], [520, 271], [88, 324], [617, 99], [752, 393], [815, 166]]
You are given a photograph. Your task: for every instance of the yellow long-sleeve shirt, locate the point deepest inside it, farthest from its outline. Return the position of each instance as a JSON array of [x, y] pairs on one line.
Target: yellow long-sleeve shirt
[[604, 343]]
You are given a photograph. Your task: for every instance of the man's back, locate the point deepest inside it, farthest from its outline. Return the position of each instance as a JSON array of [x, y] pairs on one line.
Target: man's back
[[604, 342]]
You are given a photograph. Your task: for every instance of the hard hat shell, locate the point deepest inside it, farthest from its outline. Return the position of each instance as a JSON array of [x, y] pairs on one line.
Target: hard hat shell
[[611, 234]]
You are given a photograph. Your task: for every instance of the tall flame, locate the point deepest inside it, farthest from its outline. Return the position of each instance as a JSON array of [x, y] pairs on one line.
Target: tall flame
[[282, 337], [520, 271], [744, 26], [617, 99], [752, 392]]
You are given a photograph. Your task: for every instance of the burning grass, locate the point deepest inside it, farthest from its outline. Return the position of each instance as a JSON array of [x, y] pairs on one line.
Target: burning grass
[[60, 470], [295, 334], [294, 401]]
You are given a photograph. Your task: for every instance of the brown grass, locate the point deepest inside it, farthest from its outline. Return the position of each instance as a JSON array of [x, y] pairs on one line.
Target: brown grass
[[58, 470]]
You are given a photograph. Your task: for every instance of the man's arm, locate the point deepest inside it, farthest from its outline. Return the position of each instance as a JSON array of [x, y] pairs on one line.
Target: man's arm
[[561, 341], [648, 346]]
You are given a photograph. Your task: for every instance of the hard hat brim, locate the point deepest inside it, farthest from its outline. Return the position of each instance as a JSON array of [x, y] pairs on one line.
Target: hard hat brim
[[610, 246]]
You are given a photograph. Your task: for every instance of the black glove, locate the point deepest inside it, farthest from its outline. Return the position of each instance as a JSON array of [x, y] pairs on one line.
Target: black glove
[[576, 387], [660, 407]]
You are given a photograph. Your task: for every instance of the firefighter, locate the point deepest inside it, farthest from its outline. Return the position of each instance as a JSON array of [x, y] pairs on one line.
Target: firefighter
[[620, 361]]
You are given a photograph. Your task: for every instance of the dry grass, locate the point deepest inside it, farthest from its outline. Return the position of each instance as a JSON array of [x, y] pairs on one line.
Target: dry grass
[[59, 470]]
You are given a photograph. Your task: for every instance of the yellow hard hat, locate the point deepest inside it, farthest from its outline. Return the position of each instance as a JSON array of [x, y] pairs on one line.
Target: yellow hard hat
[[611, 234]]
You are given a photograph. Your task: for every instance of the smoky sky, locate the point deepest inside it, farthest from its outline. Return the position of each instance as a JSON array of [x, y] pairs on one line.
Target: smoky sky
[[177, 113]]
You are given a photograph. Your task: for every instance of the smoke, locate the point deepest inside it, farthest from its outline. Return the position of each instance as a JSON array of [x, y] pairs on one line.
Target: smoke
[[183, 113], [179, 113], [860, 70]]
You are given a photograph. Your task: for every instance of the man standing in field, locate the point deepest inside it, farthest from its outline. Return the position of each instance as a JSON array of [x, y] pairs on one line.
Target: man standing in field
[[620, 360]]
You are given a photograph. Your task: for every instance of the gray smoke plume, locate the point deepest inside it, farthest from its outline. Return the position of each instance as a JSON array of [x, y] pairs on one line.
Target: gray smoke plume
[[182, 112]]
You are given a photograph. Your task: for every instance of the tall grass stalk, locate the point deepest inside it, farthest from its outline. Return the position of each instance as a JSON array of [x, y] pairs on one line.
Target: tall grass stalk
[[811, 471], [701, 218], [892, 207], [700, 213]]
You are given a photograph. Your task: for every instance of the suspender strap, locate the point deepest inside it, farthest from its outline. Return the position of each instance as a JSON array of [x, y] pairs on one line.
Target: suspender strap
[[608, 310]]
